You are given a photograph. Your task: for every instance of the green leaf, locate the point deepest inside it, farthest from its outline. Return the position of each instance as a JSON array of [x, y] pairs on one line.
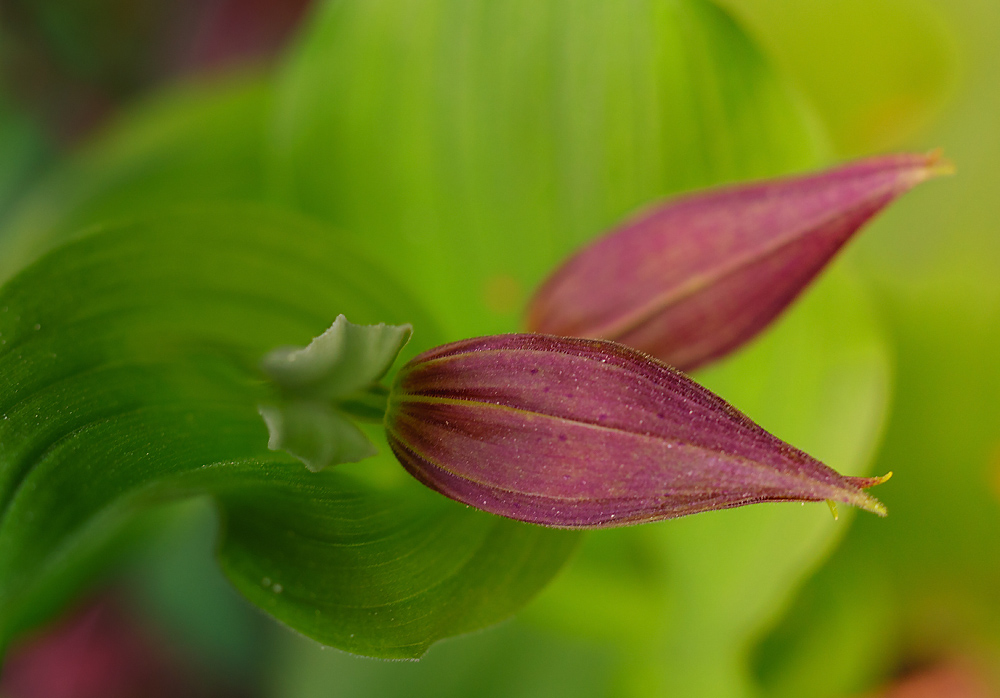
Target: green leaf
[[703, 588], [470, 145], [836, 638], [194, 143], [142, 384]]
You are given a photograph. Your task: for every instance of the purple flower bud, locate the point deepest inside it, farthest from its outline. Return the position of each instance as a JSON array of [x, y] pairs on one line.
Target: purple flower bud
[[697, 277], [582, 433]]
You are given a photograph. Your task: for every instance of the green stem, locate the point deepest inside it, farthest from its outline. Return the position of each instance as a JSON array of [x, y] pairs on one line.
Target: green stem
[[368, 405]]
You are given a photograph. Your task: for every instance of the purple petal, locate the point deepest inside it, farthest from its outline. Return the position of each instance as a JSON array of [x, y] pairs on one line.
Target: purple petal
[[584, 433], [697, 277]]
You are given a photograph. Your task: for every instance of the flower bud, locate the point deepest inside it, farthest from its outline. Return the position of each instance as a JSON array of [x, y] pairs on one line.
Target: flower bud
[[579, 433], [697, 277]]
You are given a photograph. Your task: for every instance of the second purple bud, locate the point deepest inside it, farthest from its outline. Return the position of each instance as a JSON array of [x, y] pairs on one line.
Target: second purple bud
[[698, 276]]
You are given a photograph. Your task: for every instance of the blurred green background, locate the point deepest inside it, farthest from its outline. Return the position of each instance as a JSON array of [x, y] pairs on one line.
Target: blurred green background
[[468, 146]]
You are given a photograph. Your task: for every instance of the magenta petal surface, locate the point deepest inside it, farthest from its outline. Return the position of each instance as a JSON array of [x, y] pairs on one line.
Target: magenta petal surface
[[693, 279], [582, 433]]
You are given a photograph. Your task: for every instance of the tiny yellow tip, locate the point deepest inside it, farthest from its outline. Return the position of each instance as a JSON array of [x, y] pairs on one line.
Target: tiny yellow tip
[[833, 509], [883, 479], [938, 165]]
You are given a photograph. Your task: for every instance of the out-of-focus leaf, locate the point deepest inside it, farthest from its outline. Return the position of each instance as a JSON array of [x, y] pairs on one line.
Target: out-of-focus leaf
[[935, 262], [708, 585], [934, 564], [25, 150], [129, 375], [472, 144], [877, 71], [941, 547], [178, 587], [836, 638], [195, 143], [510, 660], [952, 227]]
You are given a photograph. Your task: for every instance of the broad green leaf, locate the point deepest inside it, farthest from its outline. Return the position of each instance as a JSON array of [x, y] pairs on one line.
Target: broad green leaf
[[709, 585], [471, 144], [877, 71], [201, 142], [129, 364]]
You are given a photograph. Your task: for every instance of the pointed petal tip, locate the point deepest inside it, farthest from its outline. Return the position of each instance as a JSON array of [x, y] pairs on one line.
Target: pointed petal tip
[[862, 499], [881, 479], [931, 165], [865, 482], [914, 169], [937, 165]]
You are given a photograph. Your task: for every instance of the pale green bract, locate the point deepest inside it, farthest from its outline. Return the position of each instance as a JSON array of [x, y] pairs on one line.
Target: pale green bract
[[345, 359], [315, 433]]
